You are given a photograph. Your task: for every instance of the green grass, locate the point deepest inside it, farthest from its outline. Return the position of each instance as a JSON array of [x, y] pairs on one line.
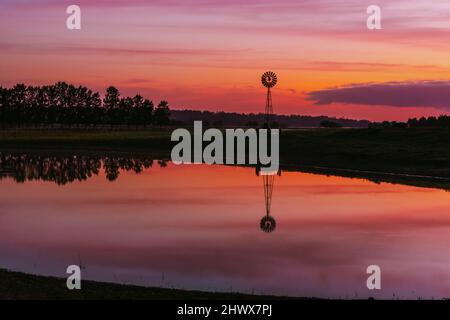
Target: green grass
[[20, 286]]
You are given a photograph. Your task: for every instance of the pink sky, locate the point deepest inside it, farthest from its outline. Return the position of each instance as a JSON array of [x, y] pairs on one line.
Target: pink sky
[[204, 54]]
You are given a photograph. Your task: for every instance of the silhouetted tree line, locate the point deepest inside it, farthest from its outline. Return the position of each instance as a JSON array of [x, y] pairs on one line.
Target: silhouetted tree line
[[63, 169], [233, 119], [68, 105], [388, 124], [441, 121]]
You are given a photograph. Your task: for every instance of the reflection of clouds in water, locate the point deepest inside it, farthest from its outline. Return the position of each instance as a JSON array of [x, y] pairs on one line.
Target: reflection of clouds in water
[[349, 189], [155, 200], [130, 201]]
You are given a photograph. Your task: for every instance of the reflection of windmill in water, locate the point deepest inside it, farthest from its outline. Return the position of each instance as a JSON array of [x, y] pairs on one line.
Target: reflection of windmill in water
[[268, 224]]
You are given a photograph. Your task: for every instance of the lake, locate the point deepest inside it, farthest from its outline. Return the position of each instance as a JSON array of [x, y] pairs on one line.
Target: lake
[[153, 223]]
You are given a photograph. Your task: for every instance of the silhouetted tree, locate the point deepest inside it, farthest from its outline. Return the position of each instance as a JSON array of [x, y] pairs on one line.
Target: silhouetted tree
[[112, 103], [112, 98], [17, 99], [441, 121], [3, 104], [162, 113], [147, 112]]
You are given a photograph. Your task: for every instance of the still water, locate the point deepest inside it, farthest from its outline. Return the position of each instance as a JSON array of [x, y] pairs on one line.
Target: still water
[[198, 227]]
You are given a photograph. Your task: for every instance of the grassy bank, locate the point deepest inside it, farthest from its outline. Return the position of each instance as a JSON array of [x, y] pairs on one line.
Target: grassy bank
[[157, 139], [16, 285], [417, 151]]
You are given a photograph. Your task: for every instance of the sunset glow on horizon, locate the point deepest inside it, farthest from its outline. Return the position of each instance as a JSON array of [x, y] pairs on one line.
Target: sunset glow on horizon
[[209, 55]]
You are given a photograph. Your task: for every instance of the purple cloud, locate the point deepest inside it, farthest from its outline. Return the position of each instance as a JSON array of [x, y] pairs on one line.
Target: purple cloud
[[434, 94]]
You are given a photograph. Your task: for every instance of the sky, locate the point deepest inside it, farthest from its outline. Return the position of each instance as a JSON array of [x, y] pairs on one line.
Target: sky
[[210, 54]]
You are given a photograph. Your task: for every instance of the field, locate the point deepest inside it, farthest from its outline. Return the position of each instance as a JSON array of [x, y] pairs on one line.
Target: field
[[414, 151]]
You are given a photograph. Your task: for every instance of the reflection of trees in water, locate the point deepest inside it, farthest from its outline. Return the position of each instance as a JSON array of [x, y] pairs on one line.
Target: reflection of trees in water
[[66, 169]]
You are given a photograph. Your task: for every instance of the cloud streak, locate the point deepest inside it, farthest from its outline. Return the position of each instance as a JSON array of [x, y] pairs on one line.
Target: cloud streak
[[433, 94]]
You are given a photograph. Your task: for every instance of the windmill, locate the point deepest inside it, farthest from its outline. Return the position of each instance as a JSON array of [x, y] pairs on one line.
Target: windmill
[[269, 80], [268, 224]]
